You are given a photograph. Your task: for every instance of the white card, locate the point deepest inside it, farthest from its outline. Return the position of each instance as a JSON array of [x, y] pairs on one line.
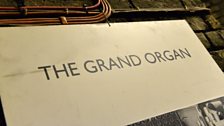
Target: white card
[[96, 75]]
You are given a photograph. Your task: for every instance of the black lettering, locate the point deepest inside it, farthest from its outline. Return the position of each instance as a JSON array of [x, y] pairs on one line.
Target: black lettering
[[133, 61], [159, 56], [45, 71], [176, 54], [185, 52], [63, 70], [113, 63], [93, 68], [72, 69], [100, 63], [127, 62], [167, 55], [148, 59]]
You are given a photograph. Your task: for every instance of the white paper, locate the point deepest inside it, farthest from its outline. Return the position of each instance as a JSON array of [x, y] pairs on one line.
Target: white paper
[[109, 97]]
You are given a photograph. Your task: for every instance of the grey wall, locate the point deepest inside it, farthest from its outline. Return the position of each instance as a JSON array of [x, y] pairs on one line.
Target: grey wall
[[217, 7]]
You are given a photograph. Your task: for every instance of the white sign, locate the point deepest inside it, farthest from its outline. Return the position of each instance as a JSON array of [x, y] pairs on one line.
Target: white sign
[[96, 75]]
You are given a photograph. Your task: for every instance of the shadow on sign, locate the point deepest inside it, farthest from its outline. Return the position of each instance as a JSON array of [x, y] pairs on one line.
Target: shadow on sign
[[2, 117]]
